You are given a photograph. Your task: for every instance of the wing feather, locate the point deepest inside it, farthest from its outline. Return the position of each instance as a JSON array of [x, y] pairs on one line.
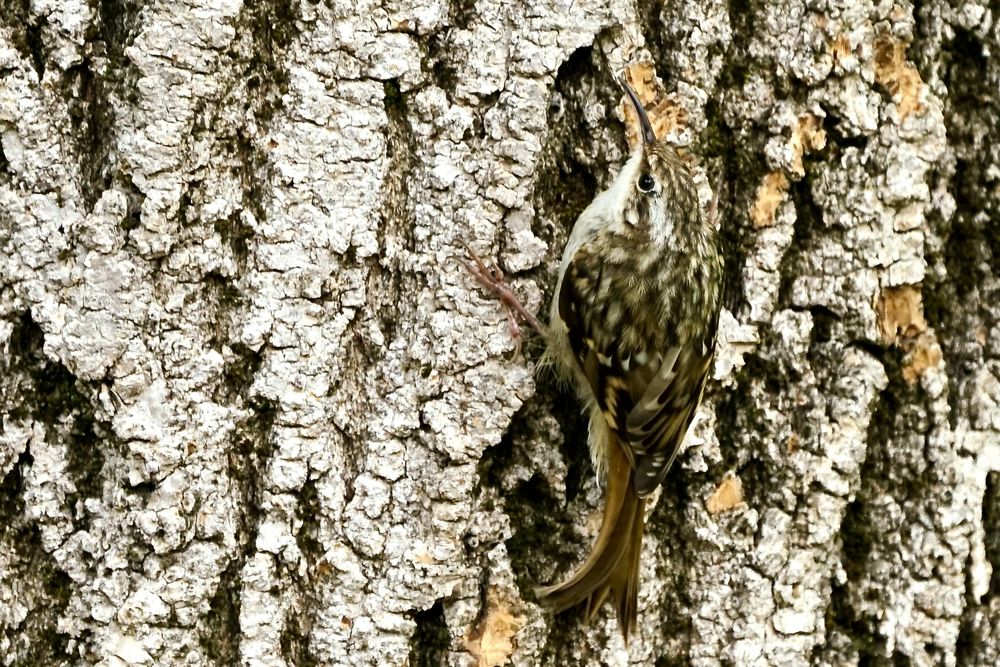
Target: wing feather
[[648, 396]]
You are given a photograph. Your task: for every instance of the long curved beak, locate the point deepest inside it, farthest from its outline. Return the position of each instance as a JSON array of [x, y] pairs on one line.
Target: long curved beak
[[648, 136]]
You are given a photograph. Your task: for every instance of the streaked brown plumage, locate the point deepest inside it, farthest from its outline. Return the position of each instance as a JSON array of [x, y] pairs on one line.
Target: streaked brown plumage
[[633, 327]]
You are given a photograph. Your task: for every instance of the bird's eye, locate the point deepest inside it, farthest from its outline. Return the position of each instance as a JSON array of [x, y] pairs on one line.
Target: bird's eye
[[646, 183]]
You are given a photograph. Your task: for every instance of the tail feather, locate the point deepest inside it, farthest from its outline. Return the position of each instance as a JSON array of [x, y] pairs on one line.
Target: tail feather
[[624, 581], [613, 564]]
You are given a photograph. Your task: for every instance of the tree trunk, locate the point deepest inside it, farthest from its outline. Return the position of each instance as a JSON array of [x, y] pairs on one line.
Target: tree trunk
[[254, 410]]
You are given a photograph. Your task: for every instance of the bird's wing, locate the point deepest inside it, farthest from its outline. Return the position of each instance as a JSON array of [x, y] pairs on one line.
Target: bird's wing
[[648, 396]]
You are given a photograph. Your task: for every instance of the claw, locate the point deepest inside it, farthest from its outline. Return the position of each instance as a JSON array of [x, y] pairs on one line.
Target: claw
[[491, 277]]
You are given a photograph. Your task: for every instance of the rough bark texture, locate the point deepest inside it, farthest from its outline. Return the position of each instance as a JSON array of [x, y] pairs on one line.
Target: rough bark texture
[[253, 411]]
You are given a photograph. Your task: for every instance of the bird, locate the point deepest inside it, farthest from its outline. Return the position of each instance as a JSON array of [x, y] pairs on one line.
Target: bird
[[632, 327]]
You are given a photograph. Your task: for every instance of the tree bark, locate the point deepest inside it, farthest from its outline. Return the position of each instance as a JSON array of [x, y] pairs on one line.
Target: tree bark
[[253, 409]]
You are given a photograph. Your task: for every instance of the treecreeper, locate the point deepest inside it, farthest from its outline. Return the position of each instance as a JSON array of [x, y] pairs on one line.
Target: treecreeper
[[632, 328]]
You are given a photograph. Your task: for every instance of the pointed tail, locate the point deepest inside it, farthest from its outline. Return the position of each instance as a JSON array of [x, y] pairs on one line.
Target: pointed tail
[[613, 564]]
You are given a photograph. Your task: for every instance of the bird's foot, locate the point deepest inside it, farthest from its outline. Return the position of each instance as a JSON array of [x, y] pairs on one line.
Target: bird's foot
[[491, 277]]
